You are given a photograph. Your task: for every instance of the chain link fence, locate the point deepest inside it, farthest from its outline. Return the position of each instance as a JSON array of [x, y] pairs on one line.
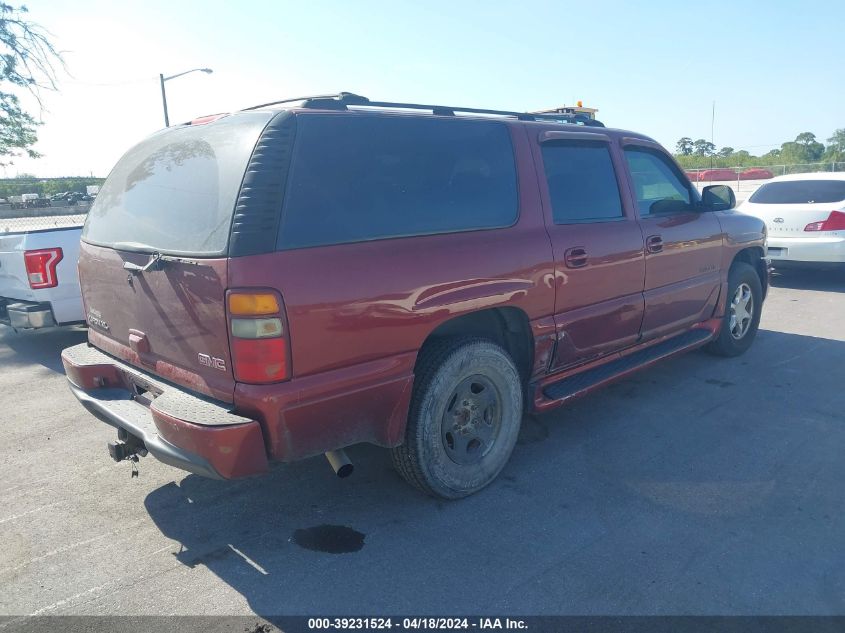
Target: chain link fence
[[760, 172], [746, 180], [58, 215]]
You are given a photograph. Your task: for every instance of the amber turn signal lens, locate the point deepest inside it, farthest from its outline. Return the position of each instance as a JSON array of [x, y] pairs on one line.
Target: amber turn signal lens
[[253, 303]]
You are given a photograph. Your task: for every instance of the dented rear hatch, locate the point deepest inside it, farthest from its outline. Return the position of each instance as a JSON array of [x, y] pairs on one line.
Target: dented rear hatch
[[154, 258]]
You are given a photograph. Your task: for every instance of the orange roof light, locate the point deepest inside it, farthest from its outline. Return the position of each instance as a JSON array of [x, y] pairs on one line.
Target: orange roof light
[[580, 103]]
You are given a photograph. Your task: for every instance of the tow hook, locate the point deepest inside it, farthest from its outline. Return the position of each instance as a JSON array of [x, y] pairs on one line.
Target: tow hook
[[121, 450], [126, 447]]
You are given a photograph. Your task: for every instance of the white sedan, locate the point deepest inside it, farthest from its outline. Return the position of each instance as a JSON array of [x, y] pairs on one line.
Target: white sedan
[[805, 217]]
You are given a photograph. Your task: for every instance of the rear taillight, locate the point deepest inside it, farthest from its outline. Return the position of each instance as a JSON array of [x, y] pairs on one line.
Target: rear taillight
[[258, 336], [41, 267], [208, 118], [834, 222]]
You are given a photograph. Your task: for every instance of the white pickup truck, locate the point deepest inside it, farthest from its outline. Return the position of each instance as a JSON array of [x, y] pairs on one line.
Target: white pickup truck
[[39, 286]]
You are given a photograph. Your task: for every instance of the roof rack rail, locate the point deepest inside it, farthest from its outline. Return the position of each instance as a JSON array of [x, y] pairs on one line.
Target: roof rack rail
[[337, 97], [342, 100]]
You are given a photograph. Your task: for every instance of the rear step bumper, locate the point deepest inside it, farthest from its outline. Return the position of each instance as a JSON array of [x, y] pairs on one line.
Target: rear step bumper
[[25, 315], [177, 427]]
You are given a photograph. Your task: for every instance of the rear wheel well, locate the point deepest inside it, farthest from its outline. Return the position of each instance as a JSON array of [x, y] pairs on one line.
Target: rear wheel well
[[754, 257], [507, 327]]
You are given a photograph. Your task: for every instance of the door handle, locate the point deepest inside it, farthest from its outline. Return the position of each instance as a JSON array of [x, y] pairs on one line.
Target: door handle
[[576, 257], [654, 244]]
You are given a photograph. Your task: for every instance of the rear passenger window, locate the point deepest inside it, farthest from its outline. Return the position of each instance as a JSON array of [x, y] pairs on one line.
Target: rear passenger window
[[360, 177], [582, 182]]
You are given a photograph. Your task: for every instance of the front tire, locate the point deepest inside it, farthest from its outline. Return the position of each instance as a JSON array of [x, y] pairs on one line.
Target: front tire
[[742, 312], [464, 417]]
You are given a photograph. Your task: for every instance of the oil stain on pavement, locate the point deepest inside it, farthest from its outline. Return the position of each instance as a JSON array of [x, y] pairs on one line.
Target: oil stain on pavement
[[330, 539]]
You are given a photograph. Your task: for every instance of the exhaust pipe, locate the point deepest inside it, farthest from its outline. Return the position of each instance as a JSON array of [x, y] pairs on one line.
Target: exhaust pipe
[[339, 461]]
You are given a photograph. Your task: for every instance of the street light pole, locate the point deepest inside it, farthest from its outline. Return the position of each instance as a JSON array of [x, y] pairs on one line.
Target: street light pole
[[162, 79], [164, 101]]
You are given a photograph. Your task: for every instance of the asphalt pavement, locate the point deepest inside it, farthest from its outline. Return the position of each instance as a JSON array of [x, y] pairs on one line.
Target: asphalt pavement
[[701, 486]]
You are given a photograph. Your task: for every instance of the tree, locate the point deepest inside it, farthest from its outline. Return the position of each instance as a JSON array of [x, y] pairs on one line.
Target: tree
[[703, 148], [726, 152], [27, 61], [809, 150], [836, 146], [684, 146], [743, 157]]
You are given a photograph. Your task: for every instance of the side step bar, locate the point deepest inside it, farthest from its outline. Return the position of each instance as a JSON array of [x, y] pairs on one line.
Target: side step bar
[[573, 385]]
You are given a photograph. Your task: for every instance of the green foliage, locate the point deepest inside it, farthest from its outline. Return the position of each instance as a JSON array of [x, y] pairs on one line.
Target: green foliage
[[836, 146], [804, 149], [684, 146], [703, 148], [27, 61]]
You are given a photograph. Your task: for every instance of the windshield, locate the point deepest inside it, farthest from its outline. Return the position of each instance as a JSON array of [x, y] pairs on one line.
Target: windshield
[[176, 191], [800, 192]]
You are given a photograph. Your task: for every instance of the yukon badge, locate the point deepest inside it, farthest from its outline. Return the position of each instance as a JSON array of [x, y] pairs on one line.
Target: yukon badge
[[96, 319], [211, 361]]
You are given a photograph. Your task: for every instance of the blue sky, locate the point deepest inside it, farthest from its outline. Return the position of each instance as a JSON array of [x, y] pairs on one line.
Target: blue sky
[[773, 68]]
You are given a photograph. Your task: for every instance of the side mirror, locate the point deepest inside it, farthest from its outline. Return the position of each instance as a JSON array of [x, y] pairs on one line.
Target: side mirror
[[718, 198]]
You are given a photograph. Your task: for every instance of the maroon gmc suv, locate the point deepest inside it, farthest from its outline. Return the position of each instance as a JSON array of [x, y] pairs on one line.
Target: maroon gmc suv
[[301, 276]]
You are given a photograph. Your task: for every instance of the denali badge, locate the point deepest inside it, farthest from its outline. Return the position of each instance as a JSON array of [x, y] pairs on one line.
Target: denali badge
[[96, 319], [210, 361]]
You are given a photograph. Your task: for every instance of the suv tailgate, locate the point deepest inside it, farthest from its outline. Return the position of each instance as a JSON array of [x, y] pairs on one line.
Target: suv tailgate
[[166, 320], [173, 195]]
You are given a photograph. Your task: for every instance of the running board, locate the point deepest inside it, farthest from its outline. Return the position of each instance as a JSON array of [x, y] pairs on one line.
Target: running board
[[573, 385]]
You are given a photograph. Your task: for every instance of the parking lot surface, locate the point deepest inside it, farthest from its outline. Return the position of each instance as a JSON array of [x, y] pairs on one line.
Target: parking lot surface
[[701, 486]]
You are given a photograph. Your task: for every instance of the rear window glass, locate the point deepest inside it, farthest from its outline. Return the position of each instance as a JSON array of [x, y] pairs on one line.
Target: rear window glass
[[357, 178], [176, 191], [800, 192], [582, 182]]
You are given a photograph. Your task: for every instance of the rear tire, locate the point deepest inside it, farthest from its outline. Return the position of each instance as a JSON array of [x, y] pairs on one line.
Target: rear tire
[[742, 312], [464, 417]]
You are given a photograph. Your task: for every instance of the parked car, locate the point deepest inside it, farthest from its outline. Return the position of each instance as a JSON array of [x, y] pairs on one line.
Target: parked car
[[711, 175], [805, 216], [756, 173], [39, 286], [284, 281]]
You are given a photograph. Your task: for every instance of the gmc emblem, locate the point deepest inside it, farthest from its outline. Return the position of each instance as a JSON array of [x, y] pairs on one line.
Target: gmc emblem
[[210, 361]]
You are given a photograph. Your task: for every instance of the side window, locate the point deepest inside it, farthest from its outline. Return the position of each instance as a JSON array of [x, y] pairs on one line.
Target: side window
[[359, 177], [582, 182], [659, 189]]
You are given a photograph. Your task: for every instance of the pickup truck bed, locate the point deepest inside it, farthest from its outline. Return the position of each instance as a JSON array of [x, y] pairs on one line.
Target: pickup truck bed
[[23, 307]]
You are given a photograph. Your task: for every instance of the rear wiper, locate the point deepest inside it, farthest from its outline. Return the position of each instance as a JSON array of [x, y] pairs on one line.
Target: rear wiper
[[135, 269]]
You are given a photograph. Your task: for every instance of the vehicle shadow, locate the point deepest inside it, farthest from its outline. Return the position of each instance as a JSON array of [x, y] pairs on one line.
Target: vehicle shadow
[[619, 503], [824, 279], [43, 347]]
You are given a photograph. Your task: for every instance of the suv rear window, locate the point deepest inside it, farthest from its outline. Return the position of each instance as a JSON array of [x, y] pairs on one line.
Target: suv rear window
[[361, 177], [800, 192], [175, 192]]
